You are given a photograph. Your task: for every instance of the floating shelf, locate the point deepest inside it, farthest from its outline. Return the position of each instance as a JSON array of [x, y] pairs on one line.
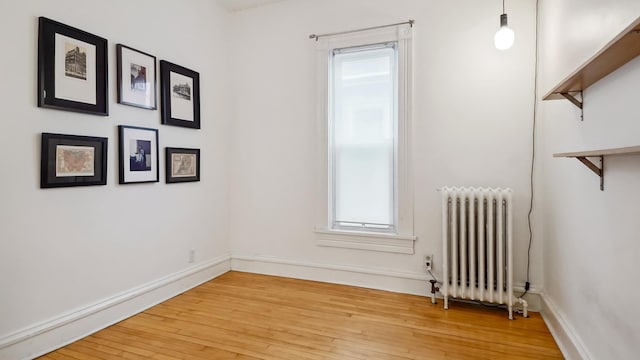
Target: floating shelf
[[603, 152], [583, 155], [619, 51]]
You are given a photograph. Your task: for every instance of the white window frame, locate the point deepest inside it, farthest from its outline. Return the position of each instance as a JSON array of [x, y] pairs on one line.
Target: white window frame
[[402, 239]]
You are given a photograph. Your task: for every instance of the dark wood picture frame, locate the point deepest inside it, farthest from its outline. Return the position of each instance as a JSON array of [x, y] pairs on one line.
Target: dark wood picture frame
[[71, 81], [180, 95], [137, 89], [182, 165], [139, 159], [72, 160]]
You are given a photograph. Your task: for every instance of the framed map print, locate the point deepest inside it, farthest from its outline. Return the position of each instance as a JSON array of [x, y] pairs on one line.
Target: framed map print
[[182, 165], [72, 160]]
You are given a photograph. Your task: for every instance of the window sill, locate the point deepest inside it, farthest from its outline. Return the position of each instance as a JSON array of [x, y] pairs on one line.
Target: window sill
[[393, 243]]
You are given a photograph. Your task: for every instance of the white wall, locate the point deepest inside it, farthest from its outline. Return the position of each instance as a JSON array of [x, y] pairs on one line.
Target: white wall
[[471, 127], [67, 249], [591, 237]]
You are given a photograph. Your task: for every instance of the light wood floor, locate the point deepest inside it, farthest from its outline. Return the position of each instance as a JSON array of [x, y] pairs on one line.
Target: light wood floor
[[248, 316]]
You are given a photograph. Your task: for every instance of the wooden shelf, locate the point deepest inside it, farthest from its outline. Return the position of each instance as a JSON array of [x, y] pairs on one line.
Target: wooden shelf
[[599, 170], [603, 152], [619, 51]]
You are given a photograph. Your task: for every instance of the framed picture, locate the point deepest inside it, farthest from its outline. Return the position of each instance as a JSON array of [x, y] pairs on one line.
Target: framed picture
[[72, 160], [72, 69], [180, 95], [136, 78], [183, 165], [138, 149]]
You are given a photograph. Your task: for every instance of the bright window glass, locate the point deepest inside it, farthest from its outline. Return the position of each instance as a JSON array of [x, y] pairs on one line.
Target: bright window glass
[[362, 137]]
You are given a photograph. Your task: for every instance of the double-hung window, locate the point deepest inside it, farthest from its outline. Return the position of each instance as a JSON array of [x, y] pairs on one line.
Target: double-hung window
[[362, 123], [365, 191]]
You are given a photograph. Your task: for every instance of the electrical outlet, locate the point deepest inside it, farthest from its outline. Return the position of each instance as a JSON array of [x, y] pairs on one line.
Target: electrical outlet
[[428, 261], [192, 256]]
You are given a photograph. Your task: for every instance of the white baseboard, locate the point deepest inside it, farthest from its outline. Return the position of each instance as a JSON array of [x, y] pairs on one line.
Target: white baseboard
[[565, 335], [396, 281], [389, 280], [66, 328]]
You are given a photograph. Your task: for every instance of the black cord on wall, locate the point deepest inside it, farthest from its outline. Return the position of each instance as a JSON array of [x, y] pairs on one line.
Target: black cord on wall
[[527, 284]]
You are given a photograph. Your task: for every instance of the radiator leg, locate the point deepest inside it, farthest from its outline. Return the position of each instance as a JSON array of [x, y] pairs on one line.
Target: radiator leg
[[446, 302], [510, 312]]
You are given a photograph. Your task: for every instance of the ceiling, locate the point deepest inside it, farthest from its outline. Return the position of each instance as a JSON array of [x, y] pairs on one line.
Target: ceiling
[[239, 5]]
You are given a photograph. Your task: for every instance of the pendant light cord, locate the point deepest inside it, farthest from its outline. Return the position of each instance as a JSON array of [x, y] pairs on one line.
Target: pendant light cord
[[533, 153]]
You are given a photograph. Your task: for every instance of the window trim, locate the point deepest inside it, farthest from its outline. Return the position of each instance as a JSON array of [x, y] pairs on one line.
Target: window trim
[[402, 240]]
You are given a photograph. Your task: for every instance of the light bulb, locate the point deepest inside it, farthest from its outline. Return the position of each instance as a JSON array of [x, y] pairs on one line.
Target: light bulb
[[505, 36]]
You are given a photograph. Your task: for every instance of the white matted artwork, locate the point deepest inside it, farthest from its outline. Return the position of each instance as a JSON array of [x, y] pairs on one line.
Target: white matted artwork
[[181, 96], [72, 72], [75, 70], [138, 154], [136, 78]]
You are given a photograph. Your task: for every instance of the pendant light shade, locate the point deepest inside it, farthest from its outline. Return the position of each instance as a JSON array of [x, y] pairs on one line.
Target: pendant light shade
[[505, 36]]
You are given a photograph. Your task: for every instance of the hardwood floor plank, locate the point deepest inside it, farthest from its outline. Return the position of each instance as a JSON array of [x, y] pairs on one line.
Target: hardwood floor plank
[[249, 316], [114, 339], [56, 356]]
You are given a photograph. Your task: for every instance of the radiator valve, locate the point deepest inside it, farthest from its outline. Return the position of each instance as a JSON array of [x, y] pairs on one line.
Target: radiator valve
[[434, 290]]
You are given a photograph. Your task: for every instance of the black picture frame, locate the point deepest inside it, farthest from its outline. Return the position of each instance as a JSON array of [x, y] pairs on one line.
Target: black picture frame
[[182, 165], [136, 80], [72, 160], [67, 78], [139, 159], [180, 95]]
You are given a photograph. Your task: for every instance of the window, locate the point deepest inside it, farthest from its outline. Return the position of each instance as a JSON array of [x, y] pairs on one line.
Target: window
[[362, 131], [364, 187]]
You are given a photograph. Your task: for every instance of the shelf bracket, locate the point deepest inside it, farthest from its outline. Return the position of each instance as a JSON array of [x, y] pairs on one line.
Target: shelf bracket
[[575, 102], [597, 170]]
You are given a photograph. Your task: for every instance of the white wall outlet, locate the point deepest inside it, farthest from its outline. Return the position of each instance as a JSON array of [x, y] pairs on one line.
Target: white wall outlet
[[428, 261], [192, 256]]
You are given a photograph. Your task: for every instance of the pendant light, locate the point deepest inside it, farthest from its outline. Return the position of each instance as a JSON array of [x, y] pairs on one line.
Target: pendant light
[[505, 36]]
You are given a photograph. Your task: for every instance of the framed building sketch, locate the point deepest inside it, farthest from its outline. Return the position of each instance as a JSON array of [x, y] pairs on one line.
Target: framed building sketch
[[72, 160], [72, 69], [180, 93], [136, 77], [182, 165], [139, 158]]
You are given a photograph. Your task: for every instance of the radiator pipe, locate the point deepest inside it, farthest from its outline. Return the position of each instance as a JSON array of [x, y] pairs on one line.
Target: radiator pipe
[[525, 306], [434, 290]]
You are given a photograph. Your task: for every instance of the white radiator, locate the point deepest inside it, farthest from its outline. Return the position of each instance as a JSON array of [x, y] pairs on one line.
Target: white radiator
[[477, 246]]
